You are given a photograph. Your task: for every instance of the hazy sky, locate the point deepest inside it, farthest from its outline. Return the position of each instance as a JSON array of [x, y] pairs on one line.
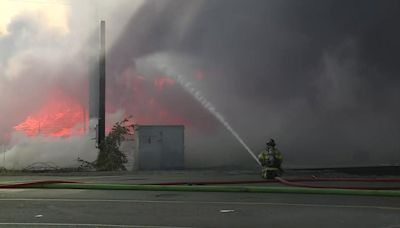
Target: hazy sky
[[54, 12]]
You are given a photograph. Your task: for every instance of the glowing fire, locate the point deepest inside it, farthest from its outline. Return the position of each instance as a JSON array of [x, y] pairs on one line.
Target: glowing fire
[[159, 100], [162, 82], [199, 75], [59, 117], [62, 116]]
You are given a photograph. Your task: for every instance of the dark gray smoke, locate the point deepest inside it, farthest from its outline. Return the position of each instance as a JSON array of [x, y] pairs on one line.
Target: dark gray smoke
[[321, 77]]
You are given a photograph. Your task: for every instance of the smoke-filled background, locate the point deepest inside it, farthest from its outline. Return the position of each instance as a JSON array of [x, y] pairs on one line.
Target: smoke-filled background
[[321, 77]]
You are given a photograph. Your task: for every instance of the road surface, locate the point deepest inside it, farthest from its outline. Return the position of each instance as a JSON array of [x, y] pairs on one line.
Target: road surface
[[99, 208]]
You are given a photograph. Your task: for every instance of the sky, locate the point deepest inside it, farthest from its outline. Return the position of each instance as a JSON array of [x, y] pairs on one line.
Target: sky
[[320, 77], [55, 13]]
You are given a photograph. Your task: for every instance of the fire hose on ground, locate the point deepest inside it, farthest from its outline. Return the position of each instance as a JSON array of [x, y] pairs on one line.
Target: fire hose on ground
[[34, 183], [304, 179], [292, 187]]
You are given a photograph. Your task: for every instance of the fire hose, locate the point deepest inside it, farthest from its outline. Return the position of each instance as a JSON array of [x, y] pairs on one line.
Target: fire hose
[[292, 182], [312, 179], [35, 183], [248, 189]]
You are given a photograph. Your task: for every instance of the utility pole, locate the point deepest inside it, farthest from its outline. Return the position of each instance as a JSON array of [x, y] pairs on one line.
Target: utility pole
[[4, 156], [84, 119], [102, 84]]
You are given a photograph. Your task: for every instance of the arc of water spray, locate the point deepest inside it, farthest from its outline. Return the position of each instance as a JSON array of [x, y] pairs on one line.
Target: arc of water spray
[[208, 105]]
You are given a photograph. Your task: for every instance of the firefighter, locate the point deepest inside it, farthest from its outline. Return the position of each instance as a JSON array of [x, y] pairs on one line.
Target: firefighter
[[271, 160]]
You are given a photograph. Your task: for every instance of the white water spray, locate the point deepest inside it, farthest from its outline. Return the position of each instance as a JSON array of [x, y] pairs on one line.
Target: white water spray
[[207, 105]]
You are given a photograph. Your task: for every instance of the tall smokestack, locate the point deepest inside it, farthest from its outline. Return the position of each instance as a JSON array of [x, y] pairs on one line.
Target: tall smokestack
[[102, 84]]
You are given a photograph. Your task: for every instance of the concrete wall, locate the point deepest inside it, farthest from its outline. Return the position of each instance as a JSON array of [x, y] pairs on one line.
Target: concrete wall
[[159, 147]]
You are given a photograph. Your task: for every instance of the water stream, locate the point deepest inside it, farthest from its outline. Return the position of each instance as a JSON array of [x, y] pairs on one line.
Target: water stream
[[207, 105]]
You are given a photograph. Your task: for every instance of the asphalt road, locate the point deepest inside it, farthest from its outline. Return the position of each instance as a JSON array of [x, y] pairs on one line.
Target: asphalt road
[[98, 208], [94, 208]]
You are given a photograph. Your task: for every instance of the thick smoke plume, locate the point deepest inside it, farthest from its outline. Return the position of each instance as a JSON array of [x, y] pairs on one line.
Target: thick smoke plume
[[44, 71], [319, 77], [54, 152]]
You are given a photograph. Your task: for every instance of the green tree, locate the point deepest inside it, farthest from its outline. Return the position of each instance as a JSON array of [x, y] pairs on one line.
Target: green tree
[[110, 157]]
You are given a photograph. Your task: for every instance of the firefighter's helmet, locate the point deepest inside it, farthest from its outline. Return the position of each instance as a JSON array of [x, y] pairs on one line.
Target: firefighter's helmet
[[271, 143]]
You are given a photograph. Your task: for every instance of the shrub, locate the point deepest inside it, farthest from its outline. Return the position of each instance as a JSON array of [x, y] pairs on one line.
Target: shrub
[[110, 157]]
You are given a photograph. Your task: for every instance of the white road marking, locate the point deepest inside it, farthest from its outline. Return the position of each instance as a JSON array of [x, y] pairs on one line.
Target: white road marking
[[226, 211], [89, 225], [206, 202]]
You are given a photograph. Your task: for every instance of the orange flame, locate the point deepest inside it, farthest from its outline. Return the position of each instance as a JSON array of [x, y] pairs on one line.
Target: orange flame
[[57, 118], [162, 82]]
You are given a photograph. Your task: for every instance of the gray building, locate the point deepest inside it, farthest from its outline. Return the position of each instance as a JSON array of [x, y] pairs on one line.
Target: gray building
[[159, 147]]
